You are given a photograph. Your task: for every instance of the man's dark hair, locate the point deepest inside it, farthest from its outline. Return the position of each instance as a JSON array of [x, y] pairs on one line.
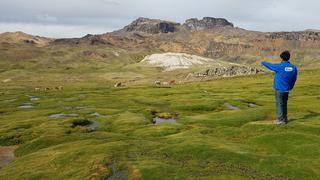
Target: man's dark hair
[[285, 55]]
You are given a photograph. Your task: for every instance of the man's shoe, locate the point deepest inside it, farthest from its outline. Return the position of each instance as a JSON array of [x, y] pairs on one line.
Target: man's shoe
[[277, 122]]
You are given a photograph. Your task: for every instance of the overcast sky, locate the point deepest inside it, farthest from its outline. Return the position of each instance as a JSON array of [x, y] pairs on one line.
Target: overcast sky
[[76, 18]]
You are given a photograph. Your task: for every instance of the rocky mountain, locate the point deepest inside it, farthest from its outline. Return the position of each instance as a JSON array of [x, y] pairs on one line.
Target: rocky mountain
[[152, 26], [155, 26], [213, 38], [206, 23]]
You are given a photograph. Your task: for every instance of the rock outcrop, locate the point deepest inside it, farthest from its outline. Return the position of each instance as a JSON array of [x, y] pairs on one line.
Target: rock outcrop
[[233, 70], [206, 23], [199, 66], [153, 26], [295, 36]]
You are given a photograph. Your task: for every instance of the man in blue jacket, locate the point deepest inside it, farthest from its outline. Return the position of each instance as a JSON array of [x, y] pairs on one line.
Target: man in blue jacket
[[284, 80]]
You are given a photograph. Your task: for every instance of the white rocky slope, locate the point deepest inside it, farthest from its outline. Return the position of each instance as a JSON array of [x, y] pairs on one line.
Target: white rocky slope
[[205, 67], [173, 61]]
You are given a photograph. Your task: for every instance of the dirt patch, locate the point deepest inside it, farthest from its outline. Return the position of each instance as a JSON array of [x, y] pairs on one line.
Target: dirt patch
[[7, 155]]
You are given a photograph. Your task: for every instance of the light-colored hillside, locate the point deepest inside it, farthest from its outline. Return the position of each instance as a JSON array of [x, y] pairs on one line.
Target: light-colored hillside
[[172, 61]]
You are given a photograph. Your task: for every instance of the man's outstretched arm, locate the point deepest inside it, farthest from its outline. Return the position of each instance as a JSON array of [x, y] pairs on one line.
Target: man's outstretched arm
[[272, 67]]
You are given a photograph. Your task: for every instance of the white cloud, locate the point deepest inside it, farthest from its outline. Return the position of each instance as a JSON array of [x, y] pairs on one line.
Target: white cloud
[[261, 15], [54, 31]]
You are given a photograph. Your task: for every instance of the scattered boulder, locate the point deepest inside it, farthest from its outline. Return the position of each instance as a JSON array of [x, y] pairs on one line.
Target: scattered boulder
[[234, 70]]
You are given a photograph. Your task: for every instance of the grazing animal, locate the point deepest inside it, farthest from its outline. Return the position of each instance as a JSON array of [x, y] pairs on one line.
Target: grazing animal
[[157, 83], [47, 89], [172, 82], [37, 89], [59, 88], [165, 83]]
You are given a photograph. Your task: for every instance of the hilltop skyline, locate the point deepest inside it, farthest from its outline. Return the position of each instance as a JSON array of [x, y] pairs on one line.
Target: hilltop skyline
[[72, 18]]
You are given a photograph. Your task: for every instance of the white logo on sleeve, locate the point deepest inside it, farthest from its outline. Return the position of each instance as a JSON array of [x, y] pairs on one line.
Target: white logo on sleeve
[[288, 69]]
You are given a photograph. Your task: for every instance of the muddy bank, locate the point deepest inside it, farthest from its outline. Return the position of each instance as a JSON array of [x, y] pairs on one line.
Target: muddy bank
[[7, 155]]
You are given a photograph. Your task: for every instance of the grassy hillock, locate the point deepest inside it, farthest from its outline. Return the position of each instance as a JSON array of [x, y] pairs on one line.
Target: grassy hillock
[[208, 140]]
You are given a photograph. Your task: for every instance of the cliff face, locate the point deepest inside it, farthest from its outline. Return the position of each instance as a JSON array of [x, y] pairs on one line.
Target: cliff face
[[152, 26], [206, 23], [155, 26]]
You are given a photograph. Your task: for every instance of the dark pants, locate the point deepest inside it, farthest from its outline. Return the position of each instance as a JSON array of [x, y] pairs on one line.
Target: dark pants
[[281, 105]]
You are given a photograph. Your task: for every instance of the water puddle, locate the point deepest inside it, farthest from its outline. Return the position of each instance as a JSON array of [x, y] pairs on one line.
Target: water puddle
[[7, 155], [252, 105], [116, 173], [231, 107], [63, 115], [34, 98], [11, 100], [158, 120], [73, 108], [95, 114], [26, 106], [94, 125]]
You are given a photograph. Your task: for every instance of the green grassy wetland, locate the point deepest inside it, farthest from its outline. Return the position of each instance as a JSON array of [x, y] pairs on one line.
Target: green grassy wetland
[[222, 130]]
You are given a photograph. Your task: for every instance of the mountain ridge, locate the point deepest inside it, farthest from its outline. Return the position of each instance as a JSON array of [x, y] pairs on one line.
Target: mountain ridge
[[215, 38]]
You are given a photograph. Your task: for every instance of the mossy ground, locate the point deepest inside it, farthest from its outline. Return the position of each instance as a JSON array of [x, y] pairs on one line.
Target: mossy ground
[[208, 141]]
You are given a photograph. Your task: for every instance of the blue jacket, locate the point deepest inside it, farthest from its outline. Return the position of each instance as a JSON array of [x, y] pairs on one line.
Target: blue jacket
[[285, 77]]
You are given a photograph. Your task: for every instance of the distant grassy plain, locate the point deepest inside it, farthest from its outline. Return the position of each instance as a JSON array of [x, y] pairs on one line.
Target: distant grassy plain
[[208, 141]]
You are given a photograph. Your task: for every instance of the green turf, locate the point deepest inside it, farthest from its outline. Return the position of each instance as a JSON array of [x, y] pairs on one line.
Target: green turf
[[208, 141]]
